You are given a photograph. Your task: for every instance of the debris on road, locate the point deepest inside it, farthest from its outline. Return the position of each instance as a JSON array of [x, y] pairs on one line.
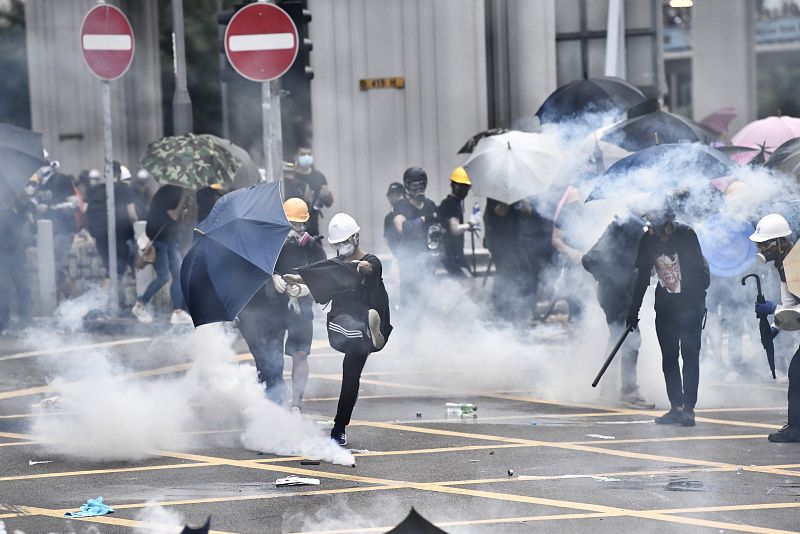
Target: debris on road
[[36, 462], [599, 436], [511, 472], [93, 507], [419, 415], [294, 480], [309, 462], [48, 402], [460, 408]]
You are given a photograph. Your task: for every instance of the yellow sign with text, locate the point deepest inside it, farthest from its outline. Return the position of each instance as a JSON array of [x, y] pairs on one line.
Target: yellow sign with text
[[394, 82]]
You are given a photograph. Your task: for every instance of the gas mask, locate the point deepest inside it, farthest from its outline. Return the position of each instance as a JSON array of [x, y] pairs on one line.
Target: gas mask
[[460, 191], [346, 248], [305, 161], [659, 223], [416, 190], [299, 235], [772, 250]]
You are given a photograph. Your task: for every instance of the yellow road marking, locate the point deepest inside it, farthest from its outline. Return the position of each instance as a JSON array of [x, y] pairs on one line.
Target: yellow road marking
[[75, 348], [14, 435], [106, 471], [736, 423]]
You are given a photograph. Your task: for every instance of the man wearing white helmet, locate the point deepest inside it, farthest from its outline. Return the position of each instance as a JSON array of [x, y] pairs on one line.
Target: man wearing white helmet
[[358, 321], [773, 237]]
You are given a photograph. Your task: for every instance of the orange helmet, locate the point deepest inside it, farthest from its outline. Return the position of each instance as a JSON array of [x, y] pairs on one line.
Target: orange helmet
[[296, 210]]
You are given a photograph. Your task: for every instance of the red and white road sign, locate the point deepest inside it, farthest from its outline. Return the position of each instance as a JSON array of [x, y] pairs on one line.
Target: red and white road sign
[[107, 41], [261, 42]]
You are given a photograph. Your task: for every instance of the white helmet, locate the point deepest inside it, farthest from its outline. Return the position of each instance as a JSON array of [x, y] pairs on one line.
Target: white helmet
[[124, 173], [769, 227], [341, 228]]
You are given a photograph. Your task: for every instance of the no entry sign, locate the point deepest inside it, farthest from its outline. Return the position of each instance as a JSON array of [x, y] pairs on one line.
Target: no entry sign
[[261, 42], [107, 41]]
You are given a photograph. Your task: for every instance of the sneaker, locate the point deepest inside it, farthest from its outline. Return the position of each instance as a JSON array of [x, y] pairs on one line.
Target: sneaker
[[636, 401], [338, 435], [687, 417], [295, 410], [672, 417], [375, 329], [787, 434], [180, 317], [141, 314]]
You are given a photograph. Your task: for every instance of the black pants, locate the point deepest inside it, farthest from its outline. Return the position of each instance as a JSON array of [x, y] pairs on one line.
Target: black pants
[[794, 390], [351, 380], [679, 333]]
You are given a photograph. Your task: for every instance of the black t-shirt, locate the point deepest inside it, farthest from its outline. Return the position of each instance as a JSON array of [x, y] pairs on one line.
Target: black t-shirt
[[415, 236], [166, 198], [57, 189], [357, 301], [206, 198], [294, 188], [315, 181], [680, 266], [97, 217], [453, 245], [390, 232], [293, 256]]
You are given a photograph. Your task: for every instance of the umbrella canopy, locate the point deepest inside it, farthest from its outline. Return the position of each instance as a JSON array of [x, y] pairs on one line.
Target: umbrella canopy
[[469, 146], [786, 158], [514, 165], [771, 132], [21, 139], [327, 278], [719, 121], [247, 174], [416, 524], [726, 245], [18, 166], [655, 128], [190, 161], [235, 253], [590, 95], [660, 167]]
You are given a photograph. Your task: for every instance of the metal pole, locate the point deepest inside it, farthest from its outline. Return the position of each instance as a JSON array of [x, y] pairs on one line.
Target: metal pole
[[181, 102], [266, 109], [223, 87], [276, 130], [110, 205]]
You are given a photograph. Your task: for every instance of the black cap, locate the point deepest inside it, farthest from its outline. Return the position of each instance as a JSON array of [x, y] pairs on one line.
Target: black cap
[[395, 187]]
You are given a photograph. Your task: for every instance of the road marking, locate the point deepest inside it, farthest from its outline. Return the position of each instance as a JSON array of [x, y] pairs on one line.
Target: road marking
[[74, 348], [105, 471]]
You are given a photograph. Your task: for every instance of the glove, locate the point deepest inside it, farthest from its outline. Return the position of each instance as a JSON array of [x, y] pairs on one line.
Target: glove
[[294, 306], [279, 283], [775, 331], [765, 308], [297, 290], [633, 319]]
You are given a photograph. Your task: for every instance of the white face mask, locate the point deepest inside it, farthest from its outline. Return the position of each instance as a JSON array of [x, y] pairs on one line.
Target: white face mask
[[306, 160], [344, 249]]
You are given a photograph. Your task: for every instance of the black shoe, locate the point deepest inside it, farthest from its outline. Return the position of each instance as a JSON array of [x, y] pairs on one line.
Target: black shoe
[[338, 435], [635, 401], [687, 417], [672, 417], [787, 434]]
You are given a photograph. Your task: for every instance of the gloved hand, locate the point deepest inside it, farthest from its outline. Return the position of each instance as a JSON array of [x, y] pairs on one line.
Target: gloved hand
[[633, 319], [294, 306], [765, 308], [775, 331], [297, 290], [279, 283]]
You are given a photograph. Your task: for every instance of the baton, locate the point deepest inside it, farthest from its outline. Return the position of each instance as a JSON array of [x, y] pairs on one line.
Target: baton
[[611, 356]]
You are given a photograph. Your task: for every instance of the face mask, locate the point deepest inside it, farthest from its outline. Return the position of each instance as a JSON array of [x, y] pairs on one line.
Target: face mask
[[460, 192], [306, 160], [771, 252], [416, 190], [344, 249]]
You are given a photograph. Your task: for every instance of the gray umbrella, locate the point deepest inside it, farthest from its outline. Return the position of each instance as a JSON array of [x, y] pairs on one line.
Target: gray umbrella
[[18, 166], [21, 139], [247, 174]]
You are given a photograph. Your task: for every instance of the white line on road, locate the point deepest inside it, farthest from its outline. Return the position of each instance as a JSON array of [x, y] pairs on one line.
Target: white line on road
[[107, 42], [261, 41], [47, 352]]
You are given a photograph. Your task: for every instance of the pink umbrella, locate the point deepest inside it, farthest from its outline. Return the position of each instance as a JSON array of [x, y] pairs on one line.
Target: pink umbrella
[[772, 131], [719, 120]]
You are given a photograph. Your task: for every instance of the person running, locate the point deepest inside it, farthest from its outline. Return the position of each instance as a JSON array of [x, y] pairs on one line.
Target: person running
[[451, 217], [673, 250], [358, 321], [773, 238]]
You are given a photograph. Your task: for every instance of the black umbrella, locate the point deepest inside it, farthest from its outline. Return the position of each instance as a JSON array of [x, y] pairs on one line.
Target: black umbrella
[[786, 158], [21, 139], [200, 530], [640, 132], [416, 524], [16, 167], [622, 181], [764, 327], [469, 146], [590, 95], [327, 278]]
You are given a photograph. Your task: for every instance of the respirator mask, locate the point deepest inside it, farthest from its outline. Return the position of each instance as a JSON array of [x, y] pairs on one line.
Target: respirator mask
[[299, 235], [772, 250], [346, 248]]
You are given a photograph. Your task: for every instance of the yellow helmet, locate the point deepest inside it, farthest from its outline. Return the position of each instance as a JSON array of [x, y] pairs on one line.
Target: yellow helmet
[[460, 176], [296, 210]]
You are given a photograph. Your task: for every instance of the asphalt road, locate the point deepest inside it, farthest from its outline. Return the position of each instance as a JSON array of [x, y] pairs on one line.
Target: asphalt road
[[527, 463]]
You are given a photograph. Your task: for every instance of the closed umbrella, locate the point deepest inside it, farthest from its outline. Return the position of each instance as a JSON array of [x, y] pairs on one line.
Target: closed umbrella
[[589, 95], [234, 254], [764, 328], [514, 165]]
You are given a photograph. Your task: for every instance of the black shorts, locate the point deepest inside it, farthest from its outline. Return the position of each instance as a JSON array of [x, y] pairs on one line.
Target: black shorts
[[300, 329]]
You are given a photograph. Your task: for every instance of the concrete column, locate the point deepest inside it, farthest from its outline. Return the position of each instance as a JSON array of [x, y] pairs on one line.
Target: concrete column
[[46, 262], [724, 63]]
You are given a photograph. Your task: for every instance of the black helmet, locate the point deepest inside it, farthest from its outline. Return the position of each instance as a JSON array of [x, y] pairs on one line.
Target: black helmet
[[415, 181]]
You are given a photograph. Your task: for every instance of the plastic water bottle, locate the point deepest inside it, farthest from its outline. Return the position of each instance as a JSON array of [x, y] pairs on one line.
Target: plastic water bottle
[[463, 408], [475, 218]]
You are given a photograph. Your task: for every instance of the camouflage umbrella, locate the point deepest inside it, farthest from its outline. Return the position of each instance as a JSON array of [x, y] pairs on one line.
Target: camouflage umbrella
[[190, 161]]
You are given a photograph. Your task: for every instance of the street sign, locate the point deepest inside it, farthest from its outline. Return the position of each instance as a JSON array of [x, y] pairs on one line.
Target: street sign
[[261, 42], [107, 41]]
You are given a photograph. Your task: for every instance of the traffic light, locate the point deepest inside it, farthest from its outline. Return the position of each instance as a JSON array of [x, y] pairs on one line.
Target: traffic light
[[226, 72], [301, 16]]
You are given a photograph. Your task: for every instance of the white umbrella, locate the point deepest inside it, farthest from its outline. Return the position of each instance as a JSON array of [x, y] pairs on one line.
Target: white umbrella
[[514, 165]]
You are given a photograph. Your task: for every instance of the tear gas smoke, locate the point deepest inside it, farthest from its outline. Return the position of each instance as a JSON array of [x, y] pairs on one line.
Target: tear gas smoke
[[155, 519]]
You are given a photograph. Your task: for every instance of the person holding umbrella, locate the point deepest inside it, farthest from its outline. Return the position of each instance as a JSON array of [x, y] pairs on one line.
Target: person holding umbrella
[[672, 248], [451, 217], [773, 238]]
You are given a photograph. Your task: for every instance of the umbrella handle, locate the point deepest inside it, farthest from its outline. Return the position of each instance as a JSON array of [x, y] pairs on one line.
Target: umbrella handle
[[758, 284]]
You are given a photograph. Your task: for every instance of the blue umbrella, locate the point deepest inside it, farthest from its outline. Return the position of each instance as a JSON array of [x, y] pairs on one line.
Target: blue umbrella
[[671, 163], [234, 253]]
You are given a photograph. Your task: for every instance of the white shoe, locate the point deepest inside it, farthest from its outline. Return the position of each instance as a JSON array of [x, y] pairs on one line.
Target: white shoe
[[374, 321], [141, 314], [180, 317], [295, 410]]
